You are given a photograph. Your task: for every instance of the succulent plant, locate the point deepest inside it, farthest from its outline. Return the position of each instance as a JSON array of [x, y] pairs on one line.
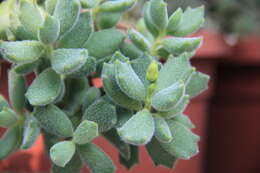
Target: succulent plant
[[67, 43]]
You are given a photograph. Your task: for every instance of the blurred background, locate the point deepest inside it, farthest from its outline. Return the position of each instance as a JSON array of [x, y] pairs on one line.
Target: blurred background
[[227, 115]]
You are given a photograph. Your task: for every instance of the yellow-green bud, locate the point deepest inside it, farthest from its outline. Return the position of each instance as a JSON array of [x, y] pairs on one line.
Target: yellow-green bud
[[152, 72]]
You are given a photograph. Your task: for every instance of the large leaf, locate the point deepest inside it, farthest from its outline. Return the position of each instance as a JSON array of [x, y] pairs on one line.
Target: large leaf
[[96, 159], [162, 131], [85, 132], [197, 84], [133, 160], [54, 121], [139, 129], [45, 88]]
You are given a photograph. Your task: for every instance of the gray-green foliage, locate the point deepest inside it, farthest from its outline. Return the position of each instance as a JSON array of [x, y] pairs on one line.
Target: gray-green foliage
[[68, 43]]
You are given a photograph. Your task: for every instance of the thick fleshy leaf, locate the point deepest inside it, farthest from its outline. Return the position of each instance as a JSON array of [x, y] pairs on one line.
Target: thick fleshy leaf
[[118, 56], [107, 19], [139, 40], [104, 43], [7, 117], [130, 50], [67, 61], [103, 113], [88, 68], [168, 98], [197, 84], [184, 143], [67, 12], [185, 120], [16, 90], [116, 6], [123, 115], [159, 155], [49, 31], [113, 90], [85, 132], [45, 88], [88, 3], [24, 69], [50, 6], [96, 159], [139, 129], [191, 21], [54, 121], [73, 166], [80, 33], [133, 160], [162, 131], [62, 152], [114, 139], [31, 131], [92, 94], [174, 20], [177, 45], [159, 14], [10, 141], [30, 17], [128, 81], [148, 21], [21, 52]]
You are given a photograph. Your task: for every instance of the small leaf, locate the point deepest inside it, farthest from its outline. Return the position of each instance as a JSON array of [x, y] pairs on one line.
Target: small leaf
[[50, 30], [184, 143], [67, 61], [62, 152], [53, 120], [129, 82], [96, 159], [7, 117], [168, 98], [177, 46], [108, 19], [114, 92], [21, 52], [134, 159], [23, 69], [16, 90], [88, 68], [191, 21], [92, 94], [148, 21], [85, 132], [139, 129], [116, 6], [130, 50], [159, 155], [45, 88], [118, 56], [174, 20], [31, 131], [67, 12], [50, 6], [73, 166], [159, 14], [104, 43], [114, 139], [79, 34], [184, 120], [162, 131], [10, 141], [197, 84], [88, 3], [139, 40], [103, 113]]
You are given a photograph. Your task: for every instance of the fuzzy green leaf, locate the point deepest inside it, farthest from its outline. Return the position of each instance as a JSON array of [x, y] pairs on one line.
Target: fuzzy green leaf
[[114, 92], [168, 98], [184, 120], [116, 6], [128, 81], [139, 40], [54, 121], [7, 117], [31, 131], [130, 50], [159, 155], [67, 61], [174, 20], [88, 3], [62, 152], [24, 69], [10, 141], [45, 88], [118, 56], [184, 143], [67, 12], [96, 159], [92, 94], [108, 19], [159, 14], [73, 166], [162, 131], [50, 6], [79, 34], [177, 45], [85, 132], [103, 113], [104, 43], [49, 30], [139, 129], [16, 90], [191, 21], [133, 160], [88, 68], [21, 52], [148, 21], [197, 84]]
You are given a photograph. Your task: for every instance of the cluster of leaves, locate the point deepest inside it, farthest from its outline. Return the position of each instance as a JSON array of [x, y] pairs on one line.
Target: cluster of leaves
[[66, 43]]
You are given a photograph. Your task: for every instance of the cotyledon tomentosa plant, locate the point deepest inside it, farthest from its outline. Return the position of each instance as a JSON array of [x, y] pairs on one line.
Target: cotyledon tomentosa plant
[[65, 43]]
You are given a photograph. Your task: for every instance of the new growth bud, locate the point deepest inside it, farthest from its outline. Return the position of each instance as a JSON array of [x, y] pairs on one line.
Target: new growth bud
[[152, 72]]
